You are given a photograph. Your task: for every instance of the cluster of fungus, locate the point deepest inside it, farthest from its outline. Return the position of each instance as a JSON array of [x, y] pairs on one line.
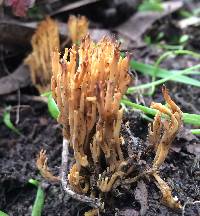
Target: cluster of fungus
[[88, 83], [88, 88], [44, 41]]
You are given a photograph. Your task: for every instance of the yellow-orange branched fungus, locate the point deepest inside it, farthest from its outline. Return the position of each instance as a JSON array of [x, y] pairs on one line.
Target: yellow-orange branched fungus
[[161, 135], [41, 164], [88, 85], [78, 28], [44, 41]]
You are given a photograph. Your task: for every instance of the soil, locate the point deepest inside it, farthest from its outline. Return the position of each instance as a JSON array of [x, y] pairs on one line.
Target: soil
[[18, 153]]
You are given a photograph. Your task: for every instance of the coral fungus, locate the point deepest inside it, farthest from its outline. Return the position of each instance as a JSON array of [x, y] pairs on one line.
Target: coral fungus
[[44, 41], [88, 88], [78, 28], [88, 83]]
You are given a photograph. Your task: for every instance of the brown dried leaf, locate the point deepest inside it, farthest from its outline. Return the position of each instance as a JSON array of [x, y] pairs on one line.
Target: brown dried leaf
[[139, 23], [73, 5]]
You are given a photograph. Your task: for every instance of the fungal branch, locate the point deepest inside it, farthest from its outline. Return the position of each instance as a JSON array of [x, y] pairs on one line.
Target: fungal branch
[[161, 134], [87, 85], [44, 41], [41, 164], [78, 28]]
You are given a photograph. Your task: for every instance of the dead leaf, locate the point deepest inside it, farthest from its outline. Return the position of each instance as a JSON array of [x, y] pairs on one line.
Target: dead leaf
[[140, 22], [20, 33], [18, 79]]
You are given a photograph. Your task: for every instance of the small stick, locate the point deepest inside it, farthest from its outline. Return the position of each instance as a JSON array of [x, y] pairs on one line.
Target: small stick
[[93, 202]]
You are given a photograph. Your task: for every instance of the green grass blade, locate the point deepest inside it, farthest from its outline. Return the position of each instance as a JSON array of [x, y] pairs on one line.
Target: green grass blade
[[174, 52], [195, 131], [144, 109], [7, 121], [39, 201], [192, 119], [34, 182], [148, 69], [3, 214], [154, 5], [52, 106], [157, 82], [165, 56]]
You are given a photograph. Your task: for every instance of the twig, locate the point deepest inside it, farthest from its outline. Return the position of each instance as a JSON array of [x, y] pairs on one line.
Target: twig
[[93, 202]]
